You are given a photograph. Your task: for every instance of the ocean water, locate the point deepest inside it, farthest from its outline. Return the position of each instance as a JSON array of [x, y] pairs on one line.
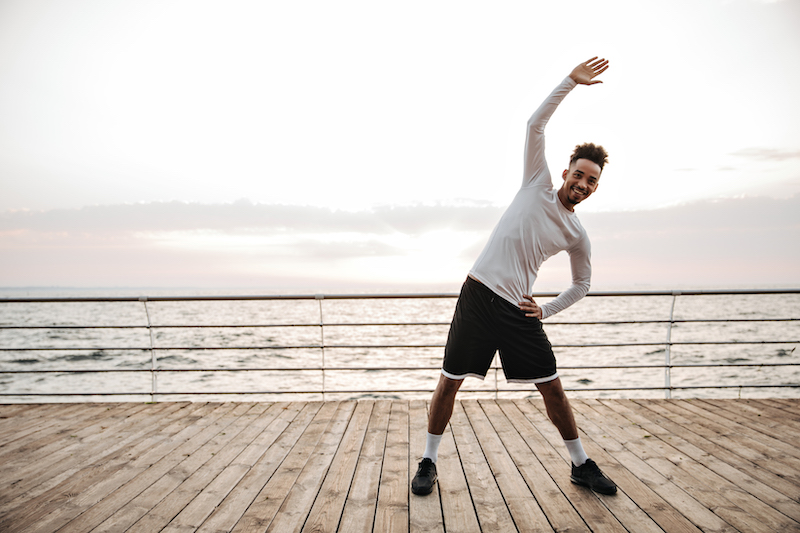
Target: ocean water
[[288, 358]]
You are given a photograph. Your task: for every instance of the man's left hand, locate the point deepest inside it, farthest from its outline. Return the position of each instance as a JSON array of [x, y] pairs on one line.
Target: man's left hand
[[530, 307]]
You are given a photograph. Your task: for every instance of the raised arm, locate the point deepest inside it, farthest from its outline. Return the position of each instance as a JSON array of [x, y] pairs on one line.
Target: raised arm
[[583, 74]]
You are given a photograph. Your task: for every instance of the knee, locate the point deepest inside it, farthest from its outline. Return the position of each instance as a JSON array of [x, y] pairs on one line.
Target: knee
[[552, 391], [447, 386]]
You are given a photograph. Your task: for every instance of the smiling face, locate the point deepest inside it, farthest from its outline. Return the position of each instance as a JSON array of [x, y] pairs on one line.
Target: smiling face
[[580, 181]]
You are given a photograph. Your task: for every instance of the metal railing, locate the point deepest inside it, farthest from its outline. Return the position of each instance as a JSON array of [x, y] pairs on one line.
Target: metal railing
[[322, 346]]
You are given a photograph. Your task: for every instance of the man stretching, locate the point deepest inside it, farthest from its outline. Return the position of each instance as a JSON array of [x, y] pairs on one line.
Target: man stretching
[[495, 310]]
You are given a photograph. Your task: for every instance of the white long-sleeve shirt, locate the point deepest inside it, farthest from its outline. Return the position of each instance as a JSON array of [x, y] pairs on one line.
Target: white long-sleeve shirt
[[536, 226]]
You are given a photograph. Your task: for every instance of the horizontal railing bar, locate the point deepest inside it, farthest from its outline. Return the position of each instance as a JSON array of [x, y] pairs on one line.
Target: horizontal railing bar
[[322, 346], [383, 346], [701, 292], [359, 368], [390, 391], [364, 324]]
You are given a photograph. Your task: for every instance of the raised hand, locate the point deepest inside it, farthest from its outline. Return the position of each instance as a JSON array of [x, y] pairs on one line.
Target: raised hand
[[588, 70]]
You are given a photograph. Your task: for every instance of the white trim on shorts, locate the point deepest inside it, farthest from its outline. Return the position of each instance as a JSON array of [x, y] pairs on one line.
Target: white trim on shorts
[[480, 377], [462, 376], [534, 380]]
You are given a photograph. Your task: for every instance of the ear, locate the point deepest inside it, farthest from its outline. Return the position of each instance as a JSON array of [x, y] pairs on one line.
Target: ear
[[564, 174]]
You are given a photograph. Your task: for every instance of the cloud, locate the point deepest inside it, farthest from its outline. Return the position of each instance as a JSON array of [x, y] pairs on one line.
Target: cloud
[[739, 241], [243, 215], [767, 154]]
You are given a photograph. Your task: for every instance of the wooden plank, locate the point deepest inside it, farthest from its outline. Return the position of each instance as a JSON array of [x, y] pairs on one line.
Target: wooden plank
[[229, 442], [274, 445], [199, 494], [87, 487], [706, 440], [765, 412], [201, 448], [37, 414], [23, 457], [768, 455], [516, 494], [391, 514], [298, 503], [492, 511], [216, 466], [358, 514], [761, 421], [425, 512], [266, 505], [36, 419], [597, 511], [513, 429], [661, 484], [327, 509], [458, 511], [790, 405], [68, 420], [88, 457], [632, 490], [692, 477], [62, 490], [200, 467], [788, 452], [89, 445], [748, 493], [19, 411]]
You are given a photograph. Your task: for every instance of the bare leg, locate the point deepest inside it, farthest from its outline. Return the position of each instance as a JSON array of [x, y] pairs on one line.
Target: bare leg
[[444, 398], [558, 408], [584, 471]]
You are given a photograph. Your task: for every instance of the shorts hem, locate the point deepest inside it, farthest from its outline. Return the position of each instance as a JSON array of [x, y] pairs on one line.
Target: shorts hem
[[462, 376], [533, 380]]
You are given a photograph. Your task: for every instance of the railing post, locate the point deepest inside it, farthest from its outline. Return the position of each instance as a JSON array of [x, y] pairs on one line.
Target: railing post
[[668, 345], [153, 362], [319, 298]]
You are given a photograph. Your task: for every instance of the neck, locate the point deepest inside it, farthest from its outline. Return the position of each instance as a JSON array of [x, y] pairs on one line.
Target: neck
[[563, 197]]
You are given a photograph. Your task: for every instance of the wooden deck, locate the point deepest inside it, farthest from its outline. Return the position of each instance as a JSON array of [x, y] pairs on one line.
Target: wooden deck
[[681, 465]]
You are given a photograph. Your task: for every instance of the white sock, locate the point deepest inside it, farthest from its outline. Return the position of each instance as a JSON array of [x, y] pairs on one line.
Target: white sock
[[432, 447], [576, 453]]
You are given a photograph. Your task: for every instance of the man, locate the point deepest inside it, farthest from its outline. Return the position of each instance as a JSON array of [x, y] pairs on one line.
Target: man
[[495, 310]]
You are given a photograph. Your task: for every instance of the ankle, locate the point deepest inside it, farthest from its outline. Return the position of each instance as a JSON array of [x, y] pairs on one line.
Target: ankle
[[432, 447]]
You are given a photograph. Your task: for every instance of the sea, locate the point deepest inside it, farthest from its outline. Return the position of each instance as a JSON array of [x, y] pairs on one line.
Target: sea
[[273, 353]]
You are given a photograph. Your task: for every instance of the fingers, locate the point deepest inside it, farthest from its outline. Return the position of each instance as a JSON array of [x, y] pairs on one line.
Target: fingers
[[598, 66], [530, 307]]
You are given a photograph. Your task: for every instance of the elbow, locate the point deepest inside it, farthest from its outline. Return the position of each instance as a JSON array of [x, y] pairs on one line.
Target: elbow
[[535, 125], [583, 286]]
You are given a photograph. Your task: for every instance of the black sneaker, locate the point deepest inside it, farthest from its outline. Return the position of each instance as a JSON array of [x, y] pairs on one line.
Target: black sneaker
[[423, 482], [590, 475]]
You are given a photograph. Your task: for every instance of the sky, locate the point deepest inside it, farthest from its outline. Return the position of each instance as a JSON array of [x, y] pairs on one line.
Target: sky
[[333, 146]]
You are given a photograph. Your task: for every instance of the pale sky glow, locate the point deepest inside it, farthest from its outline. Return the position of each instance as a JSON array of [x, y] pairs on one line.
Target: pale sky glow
[[115, 114]]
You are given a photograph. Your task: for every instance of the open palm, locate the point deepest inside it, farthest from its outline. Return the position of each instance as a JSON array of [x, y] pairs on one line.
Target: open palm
[[588, 70]]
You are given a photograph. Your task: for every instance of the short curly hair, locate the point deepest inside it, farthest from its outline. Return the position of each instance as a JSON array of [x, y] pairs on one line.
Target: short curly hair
[[593, 152]]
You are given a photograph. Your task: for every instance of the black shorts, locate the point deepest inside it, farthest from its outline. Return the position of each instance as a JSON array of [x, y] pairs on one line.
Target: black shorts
[[484, 323]]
